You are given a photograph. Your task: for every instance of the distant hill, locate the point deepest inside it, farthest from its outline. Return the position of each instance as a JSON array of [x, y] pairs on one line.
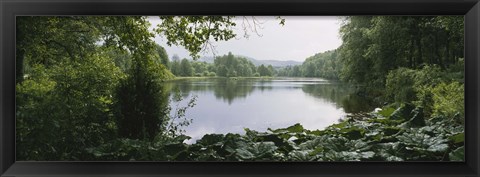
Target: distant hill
[[274, 63]]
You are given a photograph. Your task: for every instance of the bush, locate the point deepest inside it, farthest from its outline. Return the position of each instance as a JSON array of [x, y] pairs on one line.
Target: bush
[[69, 101], [205, 73], [438, 92], [212, 74], [400, 85], [403, 84], [141, 106], [449, 100]]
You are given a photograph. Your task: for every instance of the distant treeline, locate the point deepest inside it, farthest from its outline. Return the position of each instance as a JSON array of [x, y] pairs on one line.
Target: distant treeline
[[324, 65], [223, 66]]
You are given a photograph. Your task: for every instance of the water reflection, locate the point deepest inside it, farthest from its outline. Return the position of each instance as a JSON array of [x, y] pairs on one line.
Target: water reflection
[[229, 105], [342, 95]]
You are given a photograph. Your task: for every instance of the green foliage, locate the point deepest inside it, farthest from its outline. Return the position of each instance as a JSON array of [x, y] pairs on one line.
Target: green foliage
[[141, 105], [162, 56], [400, 85], [233, 66], [374, 46], [200, 68], [77, 113], [194, 32], [434, 90], [325, 65], [90, 88], [458, 154], [186, 68], [376, 137], [449, 100], [265, 71]]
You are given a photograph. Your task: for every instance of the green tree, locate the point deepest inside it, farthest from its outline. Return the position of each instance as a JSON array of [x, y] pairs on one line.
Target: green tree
[[271, 70], [66, 108], [199, 67], [72, 92], [162, 55], [355, 44], [232, 66], [383, 43], [186, 68], [142, 103], [222, 70], [176, 69], [264, 71]]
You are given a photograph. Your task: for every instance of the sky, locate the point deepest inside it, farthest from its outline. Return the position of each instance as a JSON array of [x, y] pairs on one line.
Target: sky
[[299, 38]]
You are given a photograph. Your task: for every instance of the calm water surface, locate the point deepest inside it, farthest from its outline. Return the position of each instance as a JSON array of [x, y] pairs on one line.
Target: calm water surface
[[229, 105]]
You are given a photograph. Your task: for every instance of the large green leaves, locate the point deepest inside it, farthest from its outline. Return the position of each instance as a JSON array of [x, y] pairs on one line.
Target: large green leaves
[[256, 151], [457, 154]]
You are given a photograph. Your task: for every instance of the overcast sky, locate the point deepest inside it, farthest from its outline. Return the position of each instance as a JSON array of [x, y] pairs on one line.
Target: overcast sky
[[298, 39]]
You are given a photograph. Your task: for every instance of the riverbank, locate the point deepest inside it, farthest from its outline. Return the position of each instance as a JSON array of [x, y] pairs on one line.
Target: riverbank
[[386, 135], [218, 77]]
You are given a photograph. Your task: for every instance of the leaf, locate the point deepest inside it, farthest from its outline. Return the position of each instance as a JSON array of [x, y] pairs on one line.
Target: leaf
[[297, 128], [278, 140], [418, 119], [303, 155], [391, 151], [175, 149], [386, 112], [181, 138], [438, 148], [312, 144], [353, 133], [458, 154], [391, 130], [402, 113], [211, 139], [458, 138], [256, 151], [421, 142]]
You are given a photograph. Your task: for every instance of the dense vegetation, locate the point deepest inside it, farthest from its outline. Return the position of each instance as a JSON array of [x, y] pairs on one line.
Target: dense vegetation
[[92, 88], [398, 60], [223, 66], [387, 135], [84, 81], [324, 65]]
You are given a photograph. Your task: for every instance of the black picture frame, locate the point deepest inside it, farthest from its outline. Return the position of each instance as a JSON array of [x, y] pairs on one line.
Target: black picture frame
[[11, 8]]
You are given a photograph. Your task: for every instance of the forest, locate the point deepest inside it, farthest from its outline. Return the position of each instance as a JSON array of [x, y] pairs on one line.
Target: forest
[[223, 66], [91, 88]]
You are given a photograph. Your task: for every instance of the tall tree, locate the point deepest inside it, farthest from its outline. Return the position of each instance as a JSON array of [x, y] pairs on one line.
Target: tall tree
[[186, 68]]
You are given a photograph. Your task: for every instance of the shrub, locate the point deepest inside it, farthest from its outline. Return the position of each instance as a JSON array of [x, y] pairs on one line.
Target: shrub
[[69, 101], [449, 100], [400, 85], [141, 106], [438, 92], [404, 85], [212, 74], [205, 73]]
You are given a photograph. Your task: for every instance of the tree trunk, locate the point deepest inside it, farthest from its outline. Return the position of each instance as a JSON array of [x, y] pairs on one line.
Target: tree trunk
[[411, 62]]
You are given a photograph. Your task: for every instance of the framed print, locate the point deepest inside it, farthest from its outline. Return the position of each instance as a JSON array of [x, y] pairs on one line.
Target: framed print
[[250, 88]]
